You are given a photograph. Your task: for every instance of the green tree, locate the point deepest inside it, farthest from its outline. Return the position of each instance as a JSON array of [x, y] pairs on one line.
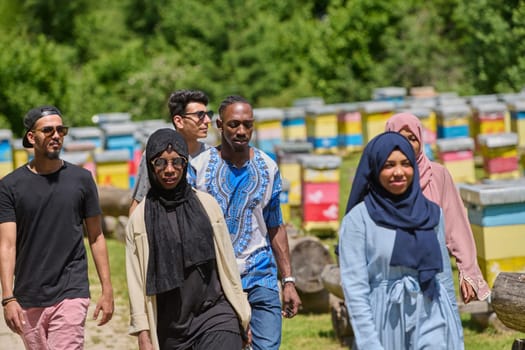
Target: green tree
[[33, 71]]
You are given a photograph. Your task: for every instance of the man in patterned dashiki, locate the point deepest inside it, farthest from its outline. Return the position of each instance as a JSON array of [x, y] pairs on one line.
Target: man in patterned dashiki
[[246, 182]]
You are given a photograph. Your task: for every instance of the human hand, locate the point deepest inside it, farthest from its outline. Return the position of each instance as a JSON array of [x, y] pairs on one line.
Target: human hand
[[291, 301], [247, 339], [106, 305], [14, 316], [467, 292], [145, 341]]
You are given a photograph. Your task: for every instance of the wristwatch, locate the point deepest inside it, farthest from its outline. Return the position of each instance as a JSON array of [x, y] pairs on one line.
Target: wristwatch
[[288, 279]]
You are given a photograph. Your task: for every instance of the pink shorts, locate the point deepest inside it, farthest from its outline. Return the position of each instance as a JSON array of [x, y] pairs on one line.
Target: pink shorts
[[56, 327]]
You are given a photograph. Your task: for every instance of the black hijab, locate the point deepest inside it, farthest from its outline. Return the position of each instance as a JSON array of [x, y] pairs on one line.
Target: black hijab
[[179, 231], [413, 216]]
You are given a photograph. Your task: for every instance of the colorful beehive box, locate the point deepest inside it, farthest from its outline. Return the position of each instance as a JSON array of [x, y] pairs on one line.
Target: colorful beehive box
[[419, 92], [83, 159], [120, 136], [321, 128], [457, 155], [87, 134], [500, 155], [481, 99], [508, 99], [283, 200], [453, 120], [288, 159], [350, 130], [81, 153], [112, 168], [449, 98], [294, 124], [488, 118], [320, 188], [374, 116], [21, 155], [497, 215], [395, 94], [517, 122], [6, 152], [268, 129]]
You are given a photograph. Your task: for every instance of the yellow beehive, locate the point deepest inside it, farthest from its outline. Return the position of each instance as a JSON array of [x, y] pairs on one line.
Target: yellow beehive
[[292, 173], [456, 154], [491, 268], [294, 124], [5, 168], [113, 168], [509, 175], [462, 170], [498, 242], [284, 201], [374, 116], [517, 119], [288, 159], [320, 175]]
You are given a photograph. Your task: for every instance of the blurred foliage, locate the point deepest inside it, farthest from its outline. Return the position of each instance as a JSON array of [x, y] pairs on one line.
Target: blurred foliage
[[97, 56]]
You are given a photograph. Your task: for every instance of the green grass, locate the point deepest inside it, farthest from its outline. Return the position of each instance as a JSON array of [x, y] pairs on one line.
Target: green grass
[[305, 332], [117, 264]]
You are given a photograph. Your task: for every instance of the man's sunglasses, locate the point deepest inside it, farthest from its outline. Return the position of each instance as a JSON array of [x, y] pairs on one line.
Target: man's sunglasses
[[200, 114], [162, 163], [50, 130]]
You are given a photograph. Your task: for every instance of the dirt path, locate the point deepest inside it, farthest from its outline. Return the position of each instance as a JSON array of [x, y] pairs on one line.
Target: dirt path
[[111, 336]]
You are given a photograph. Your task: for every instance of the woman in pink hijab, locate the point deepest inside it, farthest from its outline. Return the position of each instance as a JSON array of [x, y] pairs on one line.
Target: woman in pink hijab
[[438, 186]]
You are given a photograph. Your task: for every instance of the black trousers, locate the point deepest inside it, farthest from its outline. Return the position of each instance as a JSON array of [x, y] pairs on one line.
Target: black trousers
[[218, 340], [214, 340]]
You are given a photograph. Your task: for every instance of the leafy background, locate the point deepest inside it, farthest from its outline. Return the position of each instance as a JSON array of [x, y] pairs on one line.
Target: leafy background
[[93, 56]]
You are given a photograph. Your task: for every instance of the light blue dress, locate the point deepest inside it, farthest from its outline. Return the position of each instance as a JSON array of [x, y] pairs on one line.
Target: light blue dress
[[386, 306]]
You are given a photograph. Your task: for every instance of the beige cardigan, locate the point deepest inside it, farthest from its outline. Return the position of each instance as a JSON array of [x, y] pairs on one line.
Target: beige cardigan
[[143, 308]]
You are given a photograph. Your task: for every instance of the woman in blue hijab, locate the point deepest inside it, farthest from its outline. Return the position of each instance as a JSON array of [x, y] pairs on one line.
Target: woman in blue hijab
[[395, 268]]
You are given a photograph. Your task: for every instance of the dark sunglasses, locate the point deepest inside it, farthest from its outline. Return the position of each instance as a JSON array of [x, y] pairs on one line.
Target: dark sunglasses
[[162, 163], [200, 114], [50, 130]]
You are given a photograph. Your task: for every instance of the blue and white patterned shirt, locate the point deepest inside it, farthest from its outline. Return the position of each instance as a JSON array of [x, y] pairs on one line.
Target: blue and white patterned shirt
[[249, 198]]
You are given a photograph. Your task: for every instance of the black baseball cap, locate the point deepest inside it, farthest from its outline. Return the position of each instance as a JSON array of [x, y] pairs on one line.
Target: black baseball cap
[[33, 115]]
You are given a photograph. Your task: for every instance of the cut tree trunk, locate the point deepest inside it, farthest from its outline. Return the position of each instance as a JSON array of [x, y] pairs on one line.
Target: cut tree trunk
[[331, 278], [308, 258], [114, 201], [519, 344], [341, 321], [508, 299]]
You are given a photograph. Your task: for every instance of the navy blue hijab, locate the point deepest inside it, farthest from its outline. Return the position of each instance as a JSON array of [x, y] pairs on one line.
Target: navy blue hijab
[[413, 216]]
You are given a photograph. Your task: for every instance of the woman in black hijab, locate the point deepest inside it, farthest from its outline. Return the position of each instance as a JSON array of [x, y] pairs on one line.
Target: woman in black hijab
[[185, 289]]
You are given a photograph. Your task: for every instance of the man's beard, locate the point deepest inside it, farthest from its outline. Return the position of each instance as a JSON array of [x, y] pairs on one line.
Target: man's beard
[[53, 155]]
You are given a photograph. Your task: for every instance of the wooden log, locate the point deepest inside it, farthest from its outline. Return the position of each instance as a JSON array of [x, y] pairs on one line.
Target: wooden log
[[120, 229], [114, 201], [341, 321], [508, 299], [331, 278], [308, 258], [519, 344]]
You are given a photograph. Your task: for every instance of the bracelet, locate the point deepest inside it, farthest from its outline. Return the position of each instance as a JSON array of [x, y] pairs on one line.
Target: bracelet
[[7, 300], [288, 279]]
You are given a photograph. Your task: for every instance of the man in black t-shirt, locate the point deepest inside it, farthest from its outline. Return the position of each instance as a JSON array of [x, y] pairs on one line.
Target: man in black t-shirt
[[43, 265]]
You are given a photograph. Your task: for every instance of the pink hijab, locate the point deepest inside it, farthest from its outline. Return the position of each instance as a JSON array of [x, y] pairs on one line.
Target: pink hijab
[[412, 123], [440, 189]]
